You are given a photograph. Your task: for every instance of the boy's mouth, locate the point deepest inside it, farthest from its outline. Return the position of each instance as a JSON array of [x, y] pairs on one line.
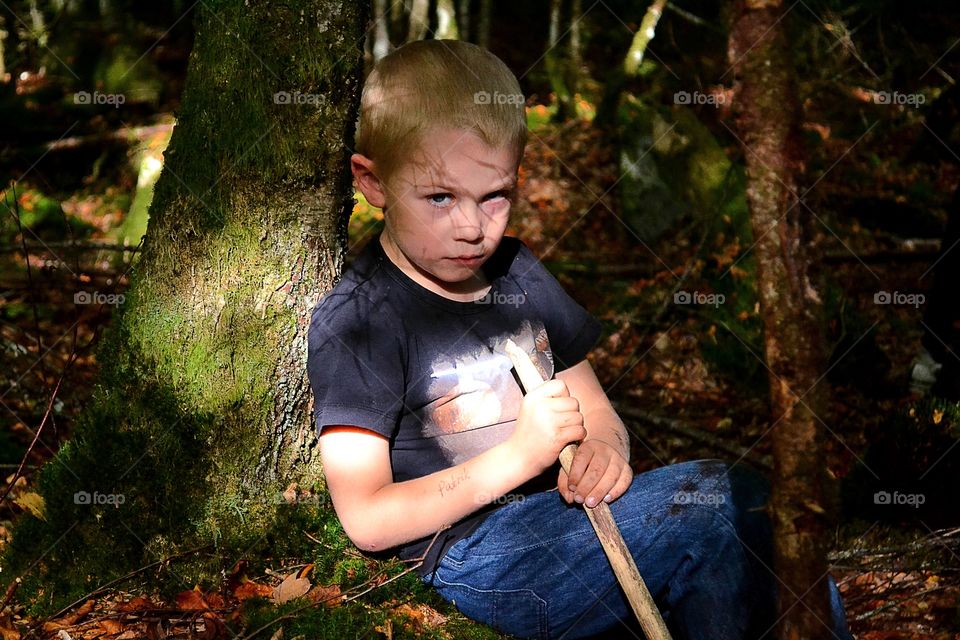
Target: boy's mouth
[[469, 261]]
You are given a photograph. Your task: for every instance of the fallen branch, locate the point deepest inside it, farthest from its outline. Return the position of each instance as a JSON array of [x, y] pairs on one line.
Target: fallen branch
[[123, 134], [69, 246], [116, 581], [693, 433]]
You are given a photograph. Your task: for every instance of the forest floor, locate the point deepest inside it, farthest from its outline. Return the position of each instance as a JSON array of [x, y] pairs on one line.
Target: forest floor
[[689, 380]]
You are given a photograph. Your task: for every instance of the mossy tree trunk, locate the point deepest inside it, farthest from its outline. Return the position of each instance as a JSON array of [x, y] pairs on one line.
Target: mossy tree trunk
[[768, 113], [202, 415]]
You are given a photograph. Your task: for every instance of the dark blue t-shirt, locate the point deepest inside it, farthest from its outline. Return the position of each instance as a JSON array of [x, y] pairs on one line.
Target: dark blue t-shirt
[[429, 373]]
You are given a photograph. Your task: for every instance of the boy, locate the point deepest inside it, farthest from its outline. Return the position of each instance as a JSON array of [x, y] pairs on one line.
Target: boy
[[423, 425]]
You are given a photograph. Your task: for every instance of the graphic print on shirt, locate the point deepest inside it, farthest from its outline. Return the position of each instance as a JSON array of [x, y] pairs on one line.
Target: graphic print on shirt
[[478, 399]]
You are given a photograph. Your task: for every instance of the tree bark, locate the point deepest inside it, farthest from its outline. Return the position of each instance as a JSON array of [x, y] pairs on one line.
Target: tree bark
[[768, 113], [556, 62], [202, 415]]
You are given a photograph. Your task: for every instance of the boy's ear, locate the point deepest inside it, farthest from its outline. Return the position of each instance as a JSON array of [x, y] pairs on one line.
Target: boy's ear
[[367, 181]]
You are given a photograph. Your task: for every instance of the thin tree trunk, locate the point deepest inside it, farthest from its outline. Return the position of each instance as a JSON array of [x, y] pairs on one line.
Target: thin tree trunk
[[606, 118], [555, 60], [202, 416], [643, 36], [3, 38], [446, 21], [463, 19], [399, 22], [419, 20], [380, 34], [768, 113], [483, 25]]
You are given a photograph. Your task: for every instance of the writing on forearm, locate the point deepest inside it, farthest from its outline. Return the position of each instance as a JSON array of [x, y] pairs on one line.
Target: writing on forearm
[[449, 484]]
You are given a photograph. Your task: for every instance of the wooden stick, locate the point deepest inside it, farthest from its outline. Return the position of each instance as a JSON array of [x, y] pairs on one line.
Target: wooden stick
[[624, 568]]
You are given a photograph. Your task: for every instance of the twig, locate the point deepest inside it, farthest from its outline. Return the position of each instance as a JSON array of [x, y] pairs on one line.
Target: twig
[[693, 433], [123, 578], [349, 552], [124, 134], [939, 537], [693, 18], [68, 244], [897, 603], [36, 437], [46, 416]]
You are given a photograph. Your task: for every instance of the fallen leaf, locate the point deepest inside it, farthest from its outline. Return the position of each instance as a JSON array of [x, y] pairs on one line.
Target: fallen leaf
[[251, 589], [111, 626], [74, 617], [7, 630], [32, 502], [421, 616], [329, 595], [192, 600], [139, 603], [213, 627], [293, 586]]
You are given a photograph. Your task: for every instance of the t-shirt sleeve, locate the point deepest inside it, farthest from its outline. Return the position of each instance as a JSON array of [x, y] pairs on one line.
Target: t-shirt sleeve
[[354, 366], [571, 329]]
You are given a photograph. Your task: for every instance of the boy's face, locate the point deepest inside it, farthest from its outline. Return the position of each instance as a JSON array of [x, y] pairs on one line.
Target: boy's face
[[446, 209]]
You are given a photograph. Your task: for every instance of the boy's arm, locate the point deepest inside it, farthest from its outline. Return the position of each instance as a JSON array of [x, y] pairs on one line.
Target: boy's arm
[[602, 465], [378, 513]]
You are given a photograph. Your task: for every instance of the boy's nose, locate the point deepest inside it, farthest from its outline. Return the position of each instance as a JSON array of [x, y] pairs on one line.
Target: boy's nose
[[467, 224]]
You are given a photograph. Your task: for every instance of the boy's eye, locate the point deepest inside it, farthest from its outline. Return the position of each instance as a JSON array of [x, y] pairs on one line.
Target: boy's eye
[[498, 199], [440, 199], [499, 195]]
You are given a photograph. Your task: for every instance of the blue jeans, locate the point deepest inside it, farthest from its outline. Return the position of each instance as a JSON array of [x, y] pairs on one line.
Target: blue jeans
[[535, 569]]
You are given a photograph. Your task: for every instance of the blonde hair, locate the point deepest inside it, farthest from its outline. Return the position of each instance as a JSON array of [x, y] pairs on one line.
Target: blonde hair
[[437, 84]]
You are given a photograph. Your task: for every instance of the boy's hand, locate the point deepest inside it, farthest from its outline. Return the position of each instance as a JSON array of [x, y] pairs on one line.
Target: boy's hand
[[598, 473], [549, 420]]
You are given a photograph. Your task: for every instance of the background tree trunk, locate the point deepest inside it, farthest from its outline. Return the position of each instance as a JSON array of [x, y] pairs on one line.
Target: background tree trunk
[[768, 110], [556, 63], [483, 23], [447, 28], [380, 33], [202, 415], [419, 20], [464, 24]]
